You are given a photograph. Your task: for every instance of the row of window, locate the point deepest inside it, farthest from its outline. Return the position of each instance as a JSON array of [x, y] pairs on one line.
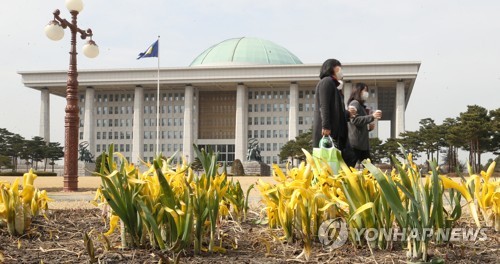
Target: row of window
[[130, 97], [170, 147], [118, 147], [268, 134], [117, 122], [267, 107], [164, 134], [164, 121], [149, 109], [105, 110], [147, 147], [269, 95], [267, 120], [180, 96], [117, 135], [308, 94], [305, 120]]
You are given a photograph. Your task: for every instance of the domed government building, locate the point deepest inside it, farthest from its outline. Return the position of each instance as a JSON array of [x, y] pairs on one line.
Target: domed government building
[[236, 90]]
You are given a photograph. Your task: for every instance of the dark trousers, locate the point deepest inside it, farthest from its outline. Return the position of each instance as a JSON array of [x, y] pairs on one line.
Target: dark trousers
[[352, 156]]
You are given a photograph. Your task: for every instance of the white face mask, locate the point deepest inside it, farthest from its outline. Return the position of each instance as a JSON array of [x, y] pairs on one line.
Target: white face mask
[[341, 85], [364, 96], [339, 75]]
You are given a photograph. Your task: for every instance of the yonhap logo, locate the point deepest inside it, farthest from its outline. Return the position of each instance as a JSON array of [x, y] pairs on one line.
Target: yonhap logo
[[333, 233]]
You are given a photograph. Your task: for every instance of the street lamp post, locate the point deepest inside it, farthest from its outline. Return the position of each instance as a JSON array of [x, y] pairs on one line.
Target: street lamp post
[[55, 31]]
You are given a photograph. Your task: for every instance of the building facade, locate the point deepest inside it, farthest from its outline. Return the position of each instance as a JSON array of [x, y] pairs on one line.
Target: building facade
[[236, 90]]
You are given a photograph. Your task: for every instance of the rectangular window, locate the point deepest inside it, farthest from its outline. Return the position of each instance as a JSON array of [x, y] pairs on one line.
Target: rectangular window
[[98, 135], [104, 134]]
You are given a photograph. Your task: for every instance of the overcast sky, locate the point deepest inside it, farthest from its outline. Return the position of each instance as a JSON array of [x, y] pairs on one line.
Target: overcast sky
[[457, 42]]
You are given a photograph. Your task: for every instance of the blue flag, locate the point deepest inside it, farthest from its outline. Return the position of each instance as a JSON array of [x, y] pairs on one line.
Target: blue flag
[[152, 51]]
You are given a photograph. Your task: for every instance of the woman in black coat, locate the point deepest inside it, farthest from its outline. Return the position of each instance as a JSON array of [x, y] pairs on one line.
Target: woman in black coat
[[330, 115]]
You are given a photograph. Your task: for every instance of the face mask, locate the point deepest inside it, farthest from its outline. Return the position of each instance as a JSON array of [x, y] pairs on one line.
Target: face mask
[[341, 85], [364, 96], [339, 75]]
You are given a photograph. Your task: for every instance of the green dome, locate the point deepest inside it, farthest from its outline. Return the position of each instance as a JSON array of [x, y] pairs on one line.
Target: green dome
[[245, 51]]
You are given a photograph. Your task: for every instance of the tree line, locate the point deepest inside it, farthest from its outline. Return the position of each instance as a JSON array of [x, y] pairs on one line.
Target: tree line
[[476, 131], [14, 149]]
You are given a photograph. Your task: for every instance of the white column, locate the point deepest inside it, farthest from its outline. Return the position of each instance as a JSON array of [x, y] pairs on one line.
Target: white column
[[138, 130], [399, 109], [241, 126], [347, 92], [187, 141], [293, 115], [89, 120], [45, 115]]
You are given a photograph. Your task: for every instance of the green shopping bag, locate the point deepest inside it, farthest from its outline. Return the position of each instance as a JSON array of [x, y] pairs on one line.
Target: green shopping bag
[[327, 152]]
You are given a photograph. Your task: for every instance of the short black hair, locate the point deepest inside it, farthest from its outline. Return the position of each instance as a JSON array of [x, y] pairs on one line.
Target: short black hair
[[327, 68]]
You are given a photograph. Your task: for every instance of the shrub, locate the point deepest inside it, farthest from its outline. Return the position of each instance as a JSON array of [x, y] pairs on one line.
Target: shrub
[[19, 173]]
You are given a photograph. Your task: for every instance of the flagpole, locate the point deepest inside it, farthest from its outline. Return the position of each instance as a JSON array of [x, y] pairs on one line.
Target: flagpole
[[158, 104]]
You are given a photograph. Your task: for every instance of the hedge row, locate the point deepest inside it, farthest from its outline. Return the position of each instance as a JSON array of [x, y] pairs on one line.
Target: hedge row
[[19, 173]]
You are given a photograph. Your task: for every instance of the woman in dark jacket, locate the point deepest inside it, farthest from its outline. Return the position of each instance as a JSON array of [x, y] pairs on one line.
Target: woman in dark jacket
[[359, 124], [330, 116]]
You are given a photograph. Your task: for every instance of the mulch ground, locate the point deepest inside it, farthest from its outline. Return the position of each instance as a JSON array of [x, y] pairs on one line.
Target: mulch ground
[[59, 239]]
